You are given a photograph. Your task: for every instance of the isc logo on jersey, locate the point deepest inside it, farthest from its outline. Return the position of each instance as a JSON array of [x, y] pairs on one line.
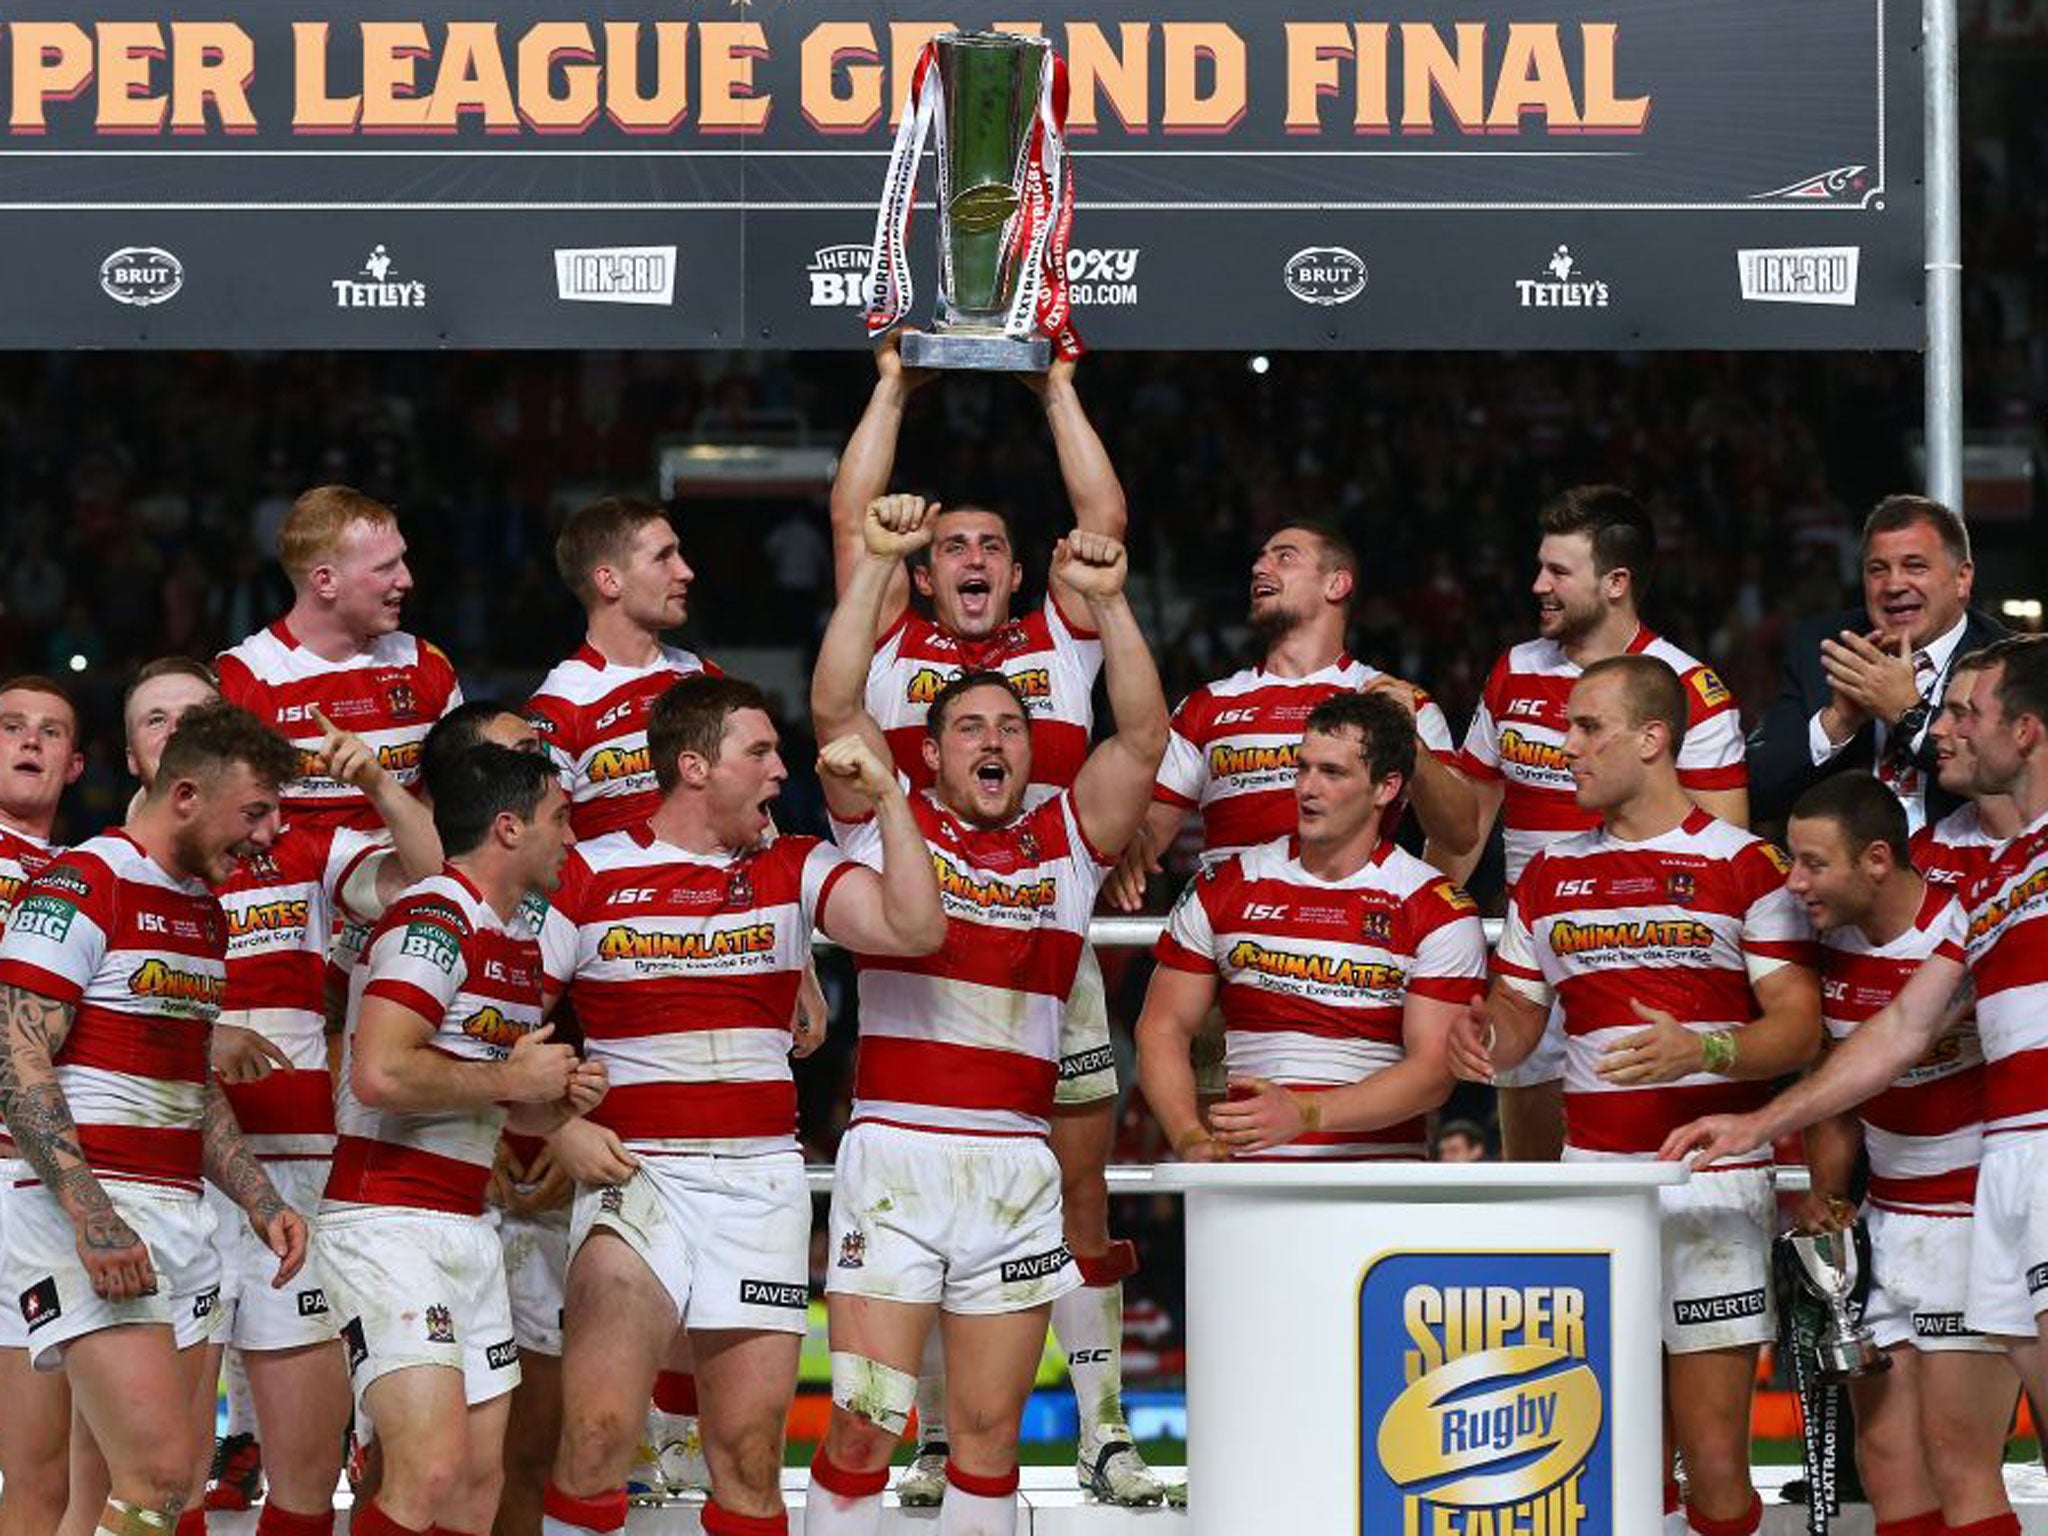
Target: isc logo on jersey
[[1483, 1381]]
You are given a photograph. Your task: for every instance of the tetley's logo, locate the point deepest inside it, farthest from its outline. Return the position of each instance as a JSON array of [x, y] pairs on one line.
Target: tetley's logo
[[1483, 1381]]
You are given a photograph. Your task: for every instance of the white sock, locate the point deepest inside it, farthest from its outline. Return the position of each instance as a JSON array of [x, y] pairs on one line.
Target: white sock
[[984, 1513], [842, 1514], [1089, 1324], [241, 1406], [931, 1389]]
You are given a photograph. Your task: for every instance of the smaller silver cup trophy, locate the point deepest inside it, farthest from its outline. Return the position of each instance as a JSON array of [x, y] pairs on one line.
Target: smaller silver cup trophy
[[1827, 1265]]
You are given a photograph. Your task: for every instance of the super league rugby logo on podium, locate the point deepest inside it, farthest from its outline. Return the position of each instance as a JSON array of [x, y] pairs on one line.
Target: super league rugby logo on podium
[[1483, 1382]]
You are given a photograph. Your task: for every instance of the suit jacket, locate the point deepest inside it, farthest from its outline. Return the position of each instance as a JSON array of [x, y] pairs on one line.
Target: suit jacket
[[1781, 764]]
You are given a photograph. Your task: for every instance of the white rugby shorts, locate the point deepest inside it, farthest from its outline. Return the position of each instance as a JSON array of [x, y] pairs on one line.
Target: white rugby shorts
[[970, 1222], [2008, 1285], [254, 1314], [1920, 1281], [1087, 1061], [412, 1288], [43, 1276], [729, 1238], [536, 1263]]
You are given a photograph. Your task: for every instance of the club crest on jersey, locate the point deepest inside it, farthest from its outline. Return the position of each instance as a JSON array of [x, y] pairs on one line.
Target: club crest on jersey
[[440, 1325], [1680, 887], [1027, 845], [262, 866], [739, 888], [853, 1250], [1376, 926], [611, 1200], [402, 699]]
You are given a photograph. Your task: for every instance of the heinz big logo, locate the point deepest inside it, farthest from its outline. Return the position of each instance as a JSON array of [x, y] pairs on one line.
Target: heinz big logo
[[1483, 1381]]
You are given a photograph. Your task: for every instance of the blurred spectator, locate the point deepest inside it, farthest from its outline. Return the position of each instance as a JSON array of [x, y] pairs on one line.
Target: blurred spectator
[[1460, 1141]]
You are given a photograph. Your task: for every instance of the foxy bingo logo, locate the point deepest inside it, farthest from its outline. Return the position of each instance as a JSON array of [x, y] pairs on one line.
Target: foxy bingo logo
[[1483, 1388]]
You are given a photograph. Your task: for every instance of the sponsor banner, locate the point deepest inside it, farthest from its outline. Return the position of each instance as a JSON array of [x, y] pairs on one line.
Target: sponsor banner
[[309, 173], [1484, 1383]]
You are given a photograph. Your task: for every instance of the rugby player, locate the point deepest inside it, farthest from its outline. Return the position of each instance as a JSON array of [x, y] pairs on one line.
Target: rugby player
[[39, 758], [970, 576], [682, 942], [1930, 1432], [1593, 570], [445, 1033], [2000, 953], [1339, 959], [946, 1205], [111, 973], [340, 650], [1684, 971], [1955, 849]]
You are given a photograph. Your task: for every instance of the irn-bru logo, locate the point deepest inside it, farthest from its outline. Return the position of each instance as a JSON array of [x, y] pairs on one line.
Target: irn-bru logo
[[1234, 762], [623, 943], [1569, 938], [1483, 1381], [1531, 752], [619, 763], [1326, 970], [1031, 683], [155, 978]]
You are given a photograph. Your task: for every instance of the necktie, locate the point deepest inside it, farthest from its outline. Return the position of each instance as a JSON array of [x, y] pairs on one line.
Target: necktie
[[1898, 747]]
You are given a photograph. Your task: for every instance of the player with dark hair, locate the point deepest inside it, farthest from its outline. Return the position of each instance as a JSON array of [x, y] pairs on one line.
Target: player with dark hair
[[1339, 961], [959, 1051], [1593, 571], [1682, 970], [445, 1032], [111, 973]]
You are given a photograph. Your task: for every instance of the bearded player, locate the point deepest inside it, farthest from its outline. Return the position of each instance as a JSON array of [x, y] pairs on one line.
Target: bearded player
[[1683, 971], [946, 1205], [970, 576]]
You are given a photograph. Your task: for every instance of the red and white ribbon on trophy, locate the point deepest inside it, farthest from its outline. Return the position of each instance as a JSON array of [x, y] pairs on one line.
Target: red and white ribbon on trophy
[[1038, 231]]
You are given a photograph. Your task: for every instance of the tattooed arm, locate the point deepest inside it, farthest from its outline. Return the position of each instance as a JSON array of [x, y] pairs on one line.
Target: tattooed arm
[[32, 1029], [233, 1169]]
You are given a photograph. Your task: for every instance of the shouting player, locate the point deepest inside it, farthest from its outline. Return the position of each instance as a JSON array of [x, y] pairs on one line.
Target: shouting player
[[1340, 961], [970, 575], [1682, 969], [682, 942], [946, 1205]]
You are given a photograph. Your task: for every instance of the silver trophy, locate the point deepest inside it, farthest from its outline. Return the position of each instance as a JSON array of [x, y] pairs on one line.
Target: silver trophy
[[1827, 1265], [991, 84]]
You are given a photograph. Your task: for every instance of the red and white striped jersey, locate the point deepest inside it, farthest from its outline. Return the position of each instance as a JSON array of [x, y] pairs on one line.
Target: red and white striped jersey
[[442, 951], [1954, 850], [592, 715], [140, 956], [280, 908], [1517, 735], [1315, 974], [2006, 908], [1925, 1133], [390, 695], [1052, 664], [1232, 749], [1683, 922], [683, 968], [22, 857], [968, 1039]]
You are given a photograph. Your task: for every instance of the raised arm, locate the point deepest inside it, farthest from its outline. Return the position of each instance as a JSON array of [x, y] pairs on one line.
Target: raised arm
[[415, 844], [890, 529], [865, 466], [1114, 787], [1126, 886], [1093, 490], [1457, 851], [896, 911], [1176, 1002]]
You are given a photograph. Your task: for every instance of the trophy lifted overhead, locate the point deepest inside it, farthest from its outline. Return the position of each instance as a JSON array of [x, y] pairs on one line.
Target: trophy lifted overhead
[[998, 104]]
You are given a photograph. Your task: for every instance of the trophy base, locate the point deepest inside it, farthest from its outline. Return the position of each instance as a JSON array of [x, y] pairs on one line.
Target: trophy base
[[983, 352], [1835, 1371]]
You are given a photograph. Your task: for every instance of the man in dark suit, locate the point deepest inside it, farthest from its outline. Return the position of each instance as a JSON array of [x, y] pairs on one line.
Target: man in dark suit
[[1860, 688]]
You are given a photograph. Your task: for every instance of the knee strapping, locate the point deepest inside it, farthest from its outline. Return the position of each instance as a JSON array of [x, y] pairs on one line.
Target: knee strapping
[[121, 1518], [879, 1393]]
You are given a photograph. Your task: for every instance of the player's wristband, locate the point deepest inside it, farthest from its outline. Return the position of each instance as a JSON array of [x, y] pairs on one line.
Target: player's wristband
[[1717, 1051], [1311, 1112]]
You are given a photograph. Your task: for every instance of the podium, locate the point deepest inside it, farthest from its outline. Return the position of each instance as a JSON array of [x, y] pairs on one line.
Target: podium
[[1424, 1349]]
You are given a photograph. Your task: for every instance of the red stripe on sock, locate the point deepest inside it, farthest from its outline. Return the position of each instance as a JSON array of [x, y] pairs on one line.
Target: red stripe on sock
[[192, 1522], [720, 1521], [274, 1520], [2007, 1524], [675, 1392], [981, 1487], [1745, 1524], [835, 1479], [1106, 1269], [601, 1512], [369, 1519]]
